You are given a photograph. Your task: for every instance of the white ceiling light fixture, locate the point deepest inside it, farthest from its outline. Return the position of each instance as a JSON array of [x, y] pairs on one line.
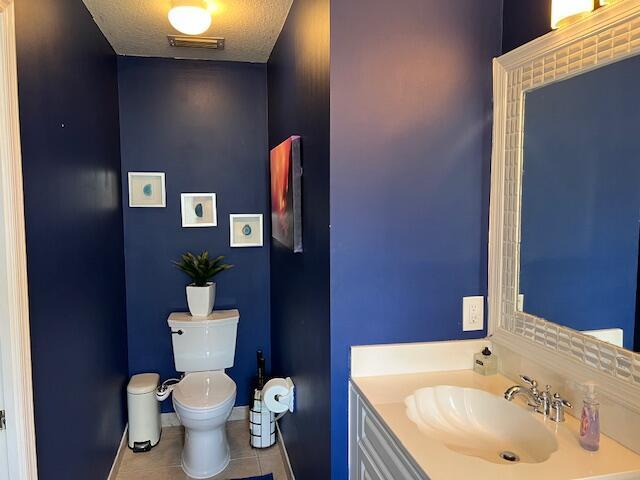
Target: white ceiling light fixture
[[191, 17]]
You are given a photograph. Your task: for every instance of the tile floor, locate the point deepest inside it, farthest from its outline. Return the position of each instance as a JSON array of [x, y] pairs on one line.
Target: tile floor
[[163, 461]]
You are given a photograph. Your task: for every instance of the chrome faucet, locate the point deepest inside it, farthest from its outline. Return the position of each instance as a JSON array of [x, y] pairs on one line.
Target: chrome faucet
[[542, 402], [532, 393]]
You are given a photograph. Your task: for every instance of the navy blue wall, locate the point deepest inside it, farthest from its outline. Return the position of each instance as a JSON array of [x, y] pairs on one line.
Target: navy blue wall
[[523, 21], [410, 157], [205, 125], [298, 74], [581, 202], [67, 76]]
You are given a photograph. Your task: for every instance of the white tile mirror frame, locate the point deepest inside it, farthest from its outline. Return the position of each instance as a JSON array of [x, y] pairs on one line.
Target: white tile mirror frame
[[608, 35]]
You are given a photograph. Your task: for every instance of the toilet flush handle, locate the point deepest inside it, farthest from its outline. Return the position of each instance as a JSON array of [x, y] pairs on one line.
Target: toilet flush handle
[[176, 332]]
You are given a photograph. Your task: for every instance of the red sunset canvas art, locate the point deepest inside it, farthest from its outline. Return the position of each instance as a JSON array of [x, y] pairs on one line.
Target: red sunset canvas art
[[286, 214]]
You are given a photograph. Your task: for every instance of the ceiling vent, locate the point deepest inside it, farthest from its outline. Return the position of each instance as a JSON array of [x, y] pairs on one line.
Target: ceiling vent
[[215, 43]]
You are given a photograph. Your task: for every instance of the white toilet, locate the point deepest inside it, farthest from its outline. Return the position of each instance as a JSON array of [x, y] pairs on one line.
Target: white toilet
[[202, 348]]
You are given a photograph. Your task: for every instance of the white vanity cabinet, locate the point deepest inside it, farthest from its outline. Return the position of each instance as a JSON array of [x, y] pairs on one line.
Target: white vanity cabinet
[[373, 453]]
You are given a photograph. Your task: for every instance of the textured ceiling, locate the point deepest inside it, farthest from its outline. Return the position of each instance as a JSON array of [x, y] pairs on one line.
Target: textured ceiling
[[140, 27]]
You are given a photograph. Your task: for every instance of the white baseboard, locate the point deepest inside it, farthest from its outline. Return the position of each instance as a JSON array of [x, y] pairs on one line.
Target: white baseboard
[[285, 455], [171, 419], [116, 461]]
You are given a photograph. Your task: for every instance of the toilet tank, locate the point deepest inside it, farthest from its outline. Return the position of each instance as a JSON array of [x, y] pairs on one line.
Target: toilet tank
[[204, 343]]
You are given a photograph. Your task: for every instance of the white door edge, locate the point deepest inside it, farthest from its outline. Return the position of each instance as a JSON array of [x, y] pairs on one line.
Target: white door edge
[[14, 313]]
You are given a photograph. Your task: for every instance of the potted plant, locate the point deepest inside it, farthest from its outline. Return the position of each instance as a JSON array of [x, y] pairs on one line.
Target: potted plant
[[201, 294]]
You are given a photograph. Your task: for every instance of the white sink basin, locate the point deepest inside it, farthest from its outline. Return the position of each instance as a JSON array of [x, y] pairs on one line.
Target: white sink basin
[[476, 423]]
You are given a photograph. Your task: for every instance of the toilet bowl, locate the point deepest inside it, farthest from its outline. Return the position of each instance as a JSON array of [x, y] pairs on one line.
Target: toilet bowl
[[203, 347], [203, 402]]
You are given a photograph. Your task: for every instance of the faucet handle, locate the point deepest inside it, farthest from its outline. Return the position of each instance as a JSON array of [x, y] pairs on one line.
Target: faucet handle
[[558, 400], [558, 404], [529, 381]]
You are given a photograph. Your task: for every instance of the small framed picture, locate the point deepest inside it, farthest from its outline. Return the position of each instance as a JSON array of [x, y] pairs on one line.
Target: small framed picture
[[199, 210], [147, 189], [246, 230]]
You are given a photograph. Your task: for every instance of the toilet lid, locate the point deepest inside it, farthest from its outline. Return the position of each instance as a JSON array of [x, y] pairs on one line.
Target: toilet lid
[[204, 390]]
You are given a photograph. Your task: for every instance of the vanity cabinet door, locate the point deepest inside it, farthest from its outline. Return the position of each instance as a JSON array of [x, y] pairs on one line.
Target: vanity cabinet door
[[373, 453], [354, 454], [367, 468]]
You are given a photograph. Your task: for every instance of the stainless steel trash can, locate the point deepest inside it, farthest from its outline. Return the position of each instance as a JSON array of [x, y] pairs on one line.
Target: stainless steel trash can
[[144, 412]]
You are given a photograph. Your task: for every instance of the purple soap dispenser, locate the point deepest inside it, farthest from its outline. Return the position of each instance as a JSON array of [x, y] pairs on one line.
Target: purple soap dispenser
[[590, 421]]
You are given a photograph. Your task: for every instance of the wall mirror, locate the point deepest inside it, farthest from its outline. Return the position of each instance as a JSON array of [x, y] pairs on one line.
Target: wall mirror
[[565, 200], [580, 208]]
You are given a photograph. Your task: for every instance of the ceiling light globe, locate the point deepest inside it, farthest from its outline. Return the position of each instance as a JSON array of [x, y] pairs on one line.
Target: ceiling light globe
[[190, 17], [564, 12]]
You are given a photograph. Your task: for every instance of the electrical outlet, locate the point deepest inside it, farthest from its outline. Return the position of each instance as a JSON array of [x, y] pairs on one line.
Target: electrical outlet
[[472, 314]]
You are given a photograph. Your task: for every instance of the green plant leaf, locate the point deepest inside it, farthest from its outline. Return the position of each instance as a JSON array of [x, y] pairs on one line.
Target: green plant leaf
[[201, 268]]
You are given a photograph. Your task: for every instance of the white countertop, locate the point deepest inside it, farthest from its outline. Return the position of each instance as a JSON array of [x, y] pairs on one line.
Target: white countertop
[[386, 395]]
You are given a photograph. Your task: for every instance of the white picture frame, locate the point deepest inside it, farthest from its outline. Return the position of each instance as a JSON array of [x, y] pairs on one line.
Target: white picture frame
[[246, 230], [198, 210], [147, 190]]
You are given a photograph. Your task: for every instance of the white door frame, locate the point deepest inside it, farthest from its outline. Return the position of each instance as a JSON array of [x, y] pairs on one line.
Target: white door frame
[[14, 317]]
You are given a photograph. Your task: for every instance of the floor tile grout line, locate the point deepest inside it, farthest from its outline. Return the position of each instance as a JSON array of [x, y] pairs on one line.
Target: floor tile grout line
[[269, 455], [145, 469], [260, 467], [243, 457]]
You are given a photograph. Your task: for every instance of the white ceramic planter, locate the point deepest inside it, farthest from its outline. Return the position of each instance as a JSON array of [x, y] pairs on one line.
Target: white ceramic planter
[[201, 299]]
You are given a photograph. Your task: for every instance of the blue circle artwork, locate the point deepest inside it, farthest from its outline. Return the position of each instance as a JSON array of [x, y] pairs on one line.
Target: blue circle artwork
[[199, 210], [246, 230], [147, 190]]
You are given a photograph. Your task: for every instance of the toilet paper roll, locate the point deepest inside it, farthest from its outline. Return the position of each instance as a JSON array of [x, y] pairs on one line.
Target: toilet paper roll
[[273, 393]]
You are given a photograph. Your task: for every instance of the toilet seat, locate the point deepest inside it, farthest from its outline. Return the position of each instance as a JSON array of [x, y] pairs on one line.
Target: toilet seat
[[204, 391]]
